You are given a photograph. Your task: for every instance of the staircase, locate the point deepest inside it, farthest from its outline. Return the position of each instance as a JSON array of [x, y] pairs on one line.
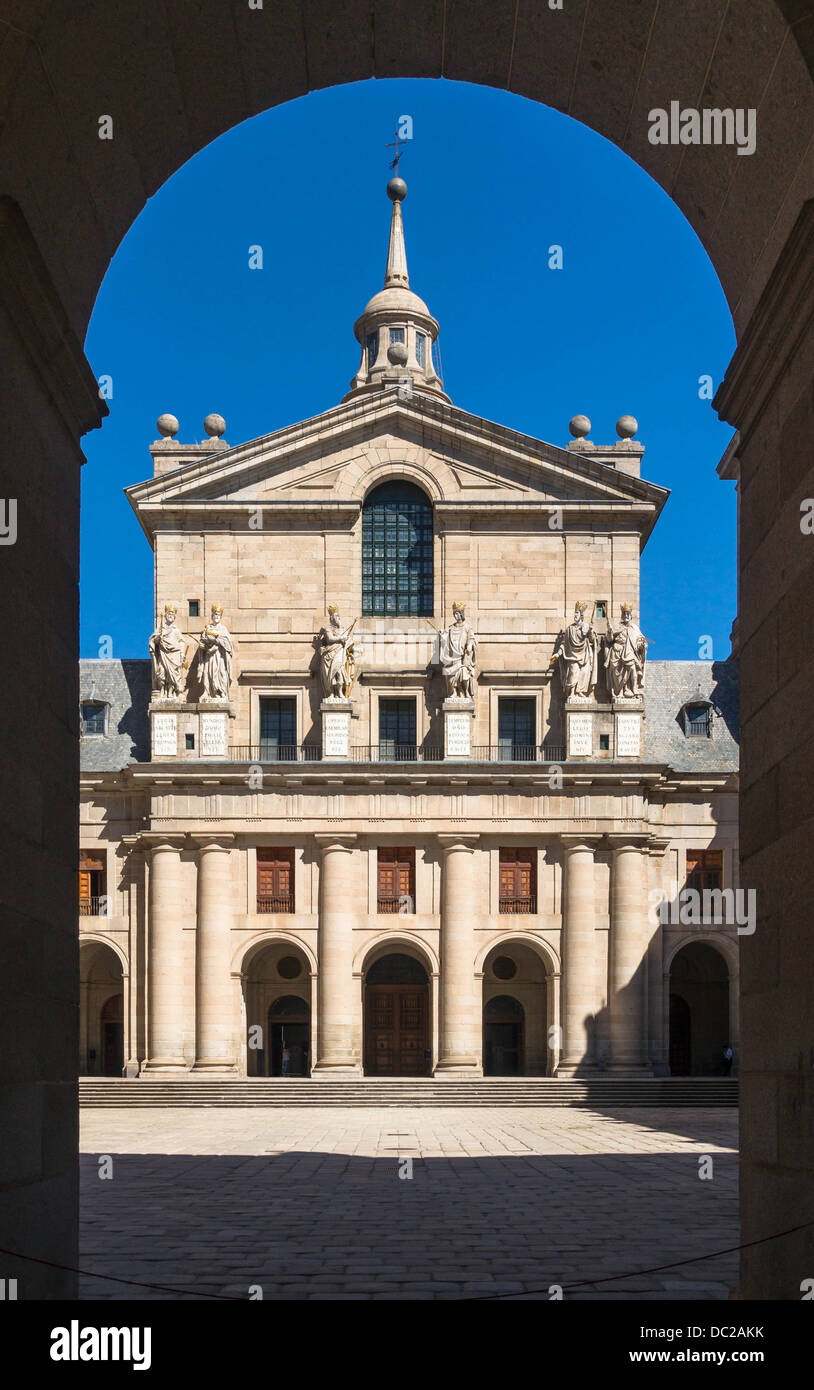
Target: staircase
[[601, 1093]]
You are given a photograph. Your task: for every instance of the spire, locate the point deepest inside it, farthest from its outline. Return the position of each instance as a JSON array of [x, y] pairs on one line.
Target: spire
[[396, 272], [396, 331]]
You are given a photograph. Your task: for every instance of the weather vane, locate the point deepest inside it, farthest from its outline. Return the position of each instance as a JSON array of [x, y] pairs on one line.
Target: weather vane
[[397, 145]]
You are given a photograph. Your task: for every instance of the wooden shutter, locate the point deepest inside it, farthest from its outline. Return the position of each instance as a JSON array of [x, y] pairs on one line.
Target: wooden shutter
[[518, 878], [275, 873], [396, 875], [705, 868]]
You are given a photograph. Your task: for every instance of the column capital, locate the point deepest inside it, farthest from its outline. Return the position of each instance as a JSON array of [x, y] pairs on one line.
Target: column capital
[[658, 845], [449, 840], [627, 839], [204, 839], [571, 841], [325, 840], [152, 840]]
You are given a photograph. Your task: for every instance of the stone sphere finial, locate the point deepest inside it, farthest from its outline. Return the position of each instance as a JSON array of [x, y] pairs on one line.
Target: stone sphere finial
[[626, 426], [215, 426], [397, 354], [397, 190], [167, 426], [579, 426]]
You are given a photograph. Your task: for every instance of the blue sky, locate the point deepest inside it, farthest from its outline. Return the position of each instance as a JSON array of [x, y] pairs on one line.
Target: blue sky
[[629, 324]]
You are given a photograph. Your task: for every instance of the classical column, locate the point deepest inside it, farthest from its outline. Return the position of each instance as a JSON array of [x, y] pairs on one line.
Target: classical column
[[459, 1050], [578, 942], [337, 896], [214, 1024], [165, 959], [629, 936]]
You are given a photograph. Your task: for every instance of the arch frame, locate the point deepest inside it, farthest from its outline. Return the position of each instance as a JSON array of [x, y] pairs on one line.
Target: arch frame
[[96, 939], [247, 951], [407, 471], [547, 953], [374, 950]]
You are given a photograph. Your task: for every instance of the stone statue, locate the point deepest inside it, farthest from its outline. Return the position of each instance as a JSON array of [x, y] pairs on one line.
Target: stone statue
[[459, 651], [215, 652], [625, 655], [577, 652], [167, 646], [338, 657]]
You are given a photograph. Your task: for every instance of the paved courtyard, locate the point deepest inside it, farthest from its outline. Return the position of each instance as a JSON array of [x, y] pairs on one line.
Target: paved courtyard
[[311, 1203]]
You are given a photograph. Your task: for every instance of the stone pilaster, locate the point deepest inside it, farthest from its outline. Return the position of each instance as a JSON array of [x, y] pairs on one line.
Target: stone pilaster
[[459, 1051], [165, 961], [627, 992], [335, 1002], [579, 993], [214, 1043]]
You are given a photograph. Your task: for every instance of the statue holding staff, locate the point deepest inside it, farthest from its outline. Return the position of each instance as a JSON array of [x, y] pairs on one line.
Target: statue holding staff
[[167, 656], [338, 657], [577, 652], [215, 652]]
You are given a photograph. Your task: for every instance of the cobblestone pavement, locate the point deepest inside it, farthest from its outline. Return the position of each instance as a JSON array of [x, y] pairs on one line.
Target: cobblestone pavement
[[310, 1204]]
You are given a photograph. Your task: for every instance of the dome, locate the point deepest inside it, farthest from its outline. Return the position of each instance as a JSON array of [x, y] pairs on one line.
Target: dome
[[396, 300]]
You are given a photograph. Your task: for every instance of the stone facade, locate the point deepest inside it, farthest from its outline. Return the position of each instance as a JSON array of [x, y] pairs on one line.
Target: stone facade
[[526, 839]]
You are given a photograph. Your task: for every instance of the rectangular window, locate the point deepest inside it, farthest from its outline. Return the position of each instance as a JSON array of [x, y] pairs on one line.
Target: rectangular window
[[601, 608], [372, 350], [278, 729], [189, 741], [275, 880], [421, 350], [93, 717], [604, 743], [698, 721], [516, 729], [194, 608], [705, 869], [397, 729], [518, 880], [91, 883], [397, 335], [396, 881]]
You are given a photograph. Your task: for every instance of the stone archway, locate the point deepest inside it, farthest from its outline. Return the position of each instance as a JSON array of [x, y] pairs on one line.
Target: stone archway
[[101, 1005], [699, 1011], [66, 199], [275, 974], [516, 1039], [397, 1016]]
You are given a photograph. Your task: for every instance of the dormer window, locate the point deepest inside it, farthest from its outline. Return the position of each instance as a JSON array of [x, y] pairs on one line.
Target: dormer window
[[93, 718], [698, 719], [421, 350], [372, 350]]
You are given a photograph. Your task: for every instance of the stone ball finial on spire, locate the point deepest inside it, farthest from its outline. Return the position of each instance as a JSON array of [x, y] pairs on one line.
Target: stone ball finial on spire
[[167, 426], [397, 190], [626, 426]]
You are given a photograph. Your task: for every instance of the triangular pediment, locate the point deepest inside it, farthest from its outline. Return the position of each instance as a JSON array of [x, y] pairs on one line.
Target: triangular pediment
[[336, 457]]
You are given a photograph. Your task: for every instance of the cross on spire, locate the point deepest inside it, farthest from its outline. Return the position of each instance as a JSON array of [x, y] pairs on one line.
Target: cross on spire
[[397, 145]]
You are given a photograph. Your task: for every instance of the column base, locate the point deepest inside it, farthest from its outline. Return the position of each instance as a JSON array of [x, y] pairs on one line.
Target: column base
[[170, 1066], [325, 1070], [214, 1068], [629, 1069], [450, 1068], [575, 1071]]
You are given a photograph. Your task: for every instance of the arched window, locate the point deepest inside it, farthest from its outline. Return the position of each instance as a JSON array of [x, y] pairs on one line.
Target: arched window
[[397, 551]]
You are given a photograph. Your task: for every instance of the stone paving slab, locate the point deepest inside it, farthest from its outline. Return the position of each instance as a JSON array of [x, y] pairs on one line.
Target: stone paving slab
[[310, 1204]]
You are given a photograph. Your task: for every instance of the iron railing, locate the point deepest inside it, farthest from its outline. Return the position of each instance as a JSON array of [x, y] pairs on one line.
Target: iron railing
[[524, 905], [386, 752], [93, 907], [403, 905], [398, 753], [519, 753], [276, 753], [275, 904]]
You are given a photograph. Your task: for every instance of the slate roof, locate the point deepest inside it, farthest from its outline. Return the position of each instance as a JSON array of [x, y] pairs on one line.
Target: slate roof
[[671, 684], [125, 686]]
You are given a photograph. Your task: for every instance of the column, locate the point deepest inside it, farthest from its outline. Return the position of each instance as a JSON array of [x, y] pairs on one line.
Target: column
[[627, 994], [335, 1007], [214, 1023], [165, 962], [579, 993], [459, 1052]]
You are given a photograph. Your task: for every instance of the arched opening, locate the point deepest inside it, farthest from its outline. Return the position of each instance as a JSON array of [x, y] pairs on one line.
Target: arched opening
[[503, 1036], [515, 1011], [397, 1017], [101, 1013], [289, 1033], [397, 551], [699, 1011], [277, 994]]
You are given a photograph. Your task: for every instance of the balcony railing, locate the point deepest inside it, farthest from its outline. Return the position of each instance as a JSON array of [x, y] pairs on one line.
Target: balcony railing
[[93, 907], [525, 905], [275, 904], [403, 905], [385, 752]]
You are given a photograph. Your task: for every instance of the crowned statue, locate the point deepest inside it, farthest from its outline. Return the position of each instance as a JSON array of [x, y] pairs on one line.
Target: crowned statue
[[625, 656], [339, 657], [167, 646], [215, 652], [458, 655], [577, 651]]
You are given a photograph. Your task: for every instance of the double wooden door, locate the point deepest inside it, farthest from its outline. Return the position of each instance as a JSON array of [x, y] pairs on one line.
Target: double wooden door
[[397, 1035]]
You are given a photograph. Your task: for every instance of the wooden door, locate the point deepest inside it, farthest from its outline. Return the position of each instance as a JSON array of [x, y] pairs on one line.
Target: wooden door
[[396, 1030]]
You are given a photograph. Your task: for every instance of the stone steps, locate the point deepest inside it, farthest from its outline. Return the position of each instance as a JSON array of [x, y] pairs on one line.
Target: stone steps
[[599, 1094]]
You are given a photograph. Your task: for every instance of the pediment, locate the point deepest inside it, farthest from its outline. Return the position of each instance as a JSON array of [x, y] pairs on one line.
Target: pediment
[[338, 456]]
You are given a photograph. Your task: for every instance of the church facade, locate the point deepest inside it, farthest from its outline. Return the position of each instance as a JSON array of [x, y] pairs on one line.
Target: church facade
[[397, 790]]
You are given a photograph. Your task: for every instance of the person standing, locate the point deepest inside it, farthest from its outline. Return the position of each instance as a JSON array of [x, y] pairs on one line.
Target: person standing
[[286, 1061]]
